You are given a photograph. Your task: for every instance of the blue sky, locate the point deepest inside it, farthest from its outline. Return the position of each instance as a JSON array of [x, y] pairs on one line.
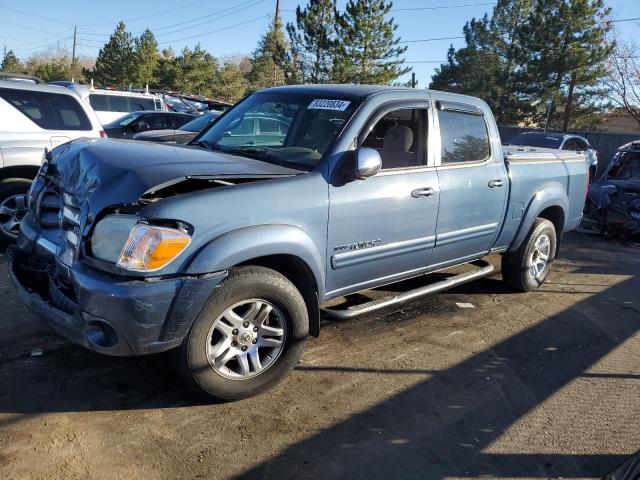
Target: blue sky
[[227, 27]]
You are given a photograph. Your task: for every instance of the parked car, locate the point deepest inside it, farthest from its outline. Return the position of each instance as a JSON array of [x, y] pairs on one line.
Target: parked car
[[136, 122], [110, 105], [614, 198], [560, 141], [81, 90], [34, 117], [180, 135], [226, 251]]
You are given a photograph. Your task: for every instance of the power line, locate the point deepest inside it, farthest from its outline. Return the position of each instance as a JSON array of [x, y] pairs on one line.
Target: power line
[[443, 7], [623, 20], [431, 39], [251, 5], [31, 28], [22, 12], [214, 31], [173, 25], [145, 17]]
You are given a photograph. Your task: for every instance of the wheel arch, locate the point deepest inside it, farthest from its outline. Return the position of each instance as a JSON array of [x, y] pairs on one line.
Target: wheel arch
[[27, 172], [284, 248], [551, 204]]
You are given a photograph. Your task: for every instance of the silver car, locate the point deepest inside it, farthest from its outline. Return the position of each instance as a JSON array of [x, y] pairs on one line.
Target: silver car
[[33, 117], [560, 141]]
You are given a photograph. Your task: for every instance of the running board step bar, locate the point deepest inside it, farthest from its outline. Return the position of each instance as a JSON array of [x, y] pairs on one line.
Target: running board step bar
[[484, 269]]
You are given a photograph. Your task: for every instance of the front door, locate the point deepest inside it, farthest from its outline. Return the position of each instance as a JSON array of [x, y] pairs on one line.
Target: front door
[[382, 228]]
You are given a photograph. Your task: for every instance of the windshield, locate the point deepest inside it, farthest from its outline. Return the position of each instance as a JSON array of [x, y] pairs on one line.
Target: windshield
[[293, 130], [201, 122], [536, 140], [123, 121]]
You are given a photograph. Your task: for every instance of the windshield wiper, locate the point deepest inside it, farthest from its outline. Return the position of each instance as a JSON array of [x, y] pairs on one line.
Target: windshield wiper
[[206, 145]]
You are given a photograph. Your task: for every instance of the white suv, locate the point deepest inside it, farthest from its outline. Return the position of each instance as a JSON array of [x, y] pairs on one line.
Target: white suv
[[34, 117]]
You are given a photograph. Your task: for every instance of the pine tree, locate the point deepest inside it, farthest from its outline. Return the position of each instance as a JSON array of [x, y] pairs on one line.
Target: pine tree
[[166, 72], [116, 62], [491, 64], [566, 58], [196, 71], [147, 58], [367, 50], [230, 85], [11, 63], [270, 62], [313, 40]]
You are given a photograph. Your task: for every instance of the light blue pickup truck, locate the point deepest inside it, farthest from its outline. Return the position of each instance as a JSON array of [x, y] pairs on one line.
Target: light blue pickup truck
[[227, 250]]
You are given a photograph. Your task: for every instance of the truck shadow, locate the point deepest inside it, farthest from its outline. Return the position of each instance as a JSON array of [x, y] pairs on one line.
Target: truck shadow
[[445, 426]]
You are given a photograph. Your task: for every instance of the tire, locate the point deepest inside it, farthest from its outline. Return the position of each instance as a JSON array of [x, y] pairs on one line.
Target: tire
[[11, 208], [220, 333], [526, 269]]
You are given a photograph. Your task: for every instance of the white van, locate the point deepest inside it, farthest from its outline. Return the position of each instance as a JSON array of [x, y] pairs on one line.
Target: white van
[[110, 105], [34, 117]]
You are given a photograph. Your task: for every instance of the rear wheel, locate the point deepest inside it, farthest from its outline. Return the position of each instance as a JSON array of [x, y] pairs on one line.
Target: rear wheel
[[247, 338], [528, 267], [13, 206]]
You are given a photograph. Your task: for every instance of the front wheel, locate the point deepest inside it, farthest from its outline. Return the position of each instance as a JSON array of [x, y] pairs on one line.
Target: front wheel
[[247, 338], [13, 206], [528, 267]]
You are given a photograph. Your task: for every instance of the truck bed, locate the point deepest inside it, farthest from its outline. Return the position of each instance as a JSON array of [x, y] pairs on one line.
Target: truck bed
[[536, 172]]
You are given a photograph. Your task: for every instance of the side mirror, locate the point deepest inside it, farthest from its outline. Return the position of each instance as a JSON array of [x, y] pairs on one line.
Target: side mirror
[[367, 163], [226, 134]]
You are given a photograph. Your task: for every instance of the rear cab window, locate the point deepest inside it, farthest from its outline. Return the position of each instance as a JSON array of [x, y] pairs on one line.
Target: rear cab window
[[464, 137], [51, 111]]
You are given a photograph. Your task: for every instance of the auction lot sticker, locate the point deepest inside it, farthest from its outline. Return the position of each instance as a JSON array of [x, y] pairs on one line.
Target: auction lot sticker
[[325, 104]]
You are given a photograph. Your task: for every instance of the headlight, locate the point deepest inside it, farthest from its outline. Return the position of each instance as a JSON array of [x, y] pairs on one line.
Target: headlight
[[635, 214], [136, 246], [150, 248]]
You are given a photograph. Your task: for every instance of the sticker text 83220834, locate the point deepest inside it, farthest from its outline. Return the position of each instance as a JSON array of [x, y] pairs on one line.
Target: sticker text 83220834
[[327, 104]]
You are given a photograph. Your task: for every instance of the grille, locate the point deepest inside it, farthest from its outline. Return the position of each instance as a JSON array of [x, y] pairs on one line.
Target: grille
[[48, 208]]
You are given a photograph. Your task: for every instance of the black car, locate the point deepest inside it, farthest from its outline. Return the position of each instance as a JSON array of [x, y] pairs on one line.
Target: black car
[[181, 135], [141, 121]]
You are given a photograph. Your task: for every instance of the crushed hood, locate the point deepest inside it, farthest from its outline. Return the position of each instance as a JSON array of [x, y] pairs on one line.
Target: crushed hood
[[106, 172]]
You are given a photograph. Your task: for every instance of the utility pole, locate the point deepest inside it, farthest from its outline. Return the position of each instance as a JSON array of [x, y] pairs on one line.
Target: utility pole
[[413, 79], [73, 52], [275, 63]]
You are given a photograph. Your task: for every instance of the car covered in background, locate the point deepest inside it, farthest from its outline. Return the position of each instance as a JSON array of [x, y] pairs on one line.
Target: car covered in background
[[180, 135], [614, 198], [559, 141], [110, 105], [34, 117], [135, 122]]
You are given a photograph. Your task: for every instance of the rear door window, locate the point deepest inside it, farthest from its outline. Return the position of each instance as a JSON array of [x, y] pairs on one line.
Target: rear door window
[[464, 137], [51, 111]]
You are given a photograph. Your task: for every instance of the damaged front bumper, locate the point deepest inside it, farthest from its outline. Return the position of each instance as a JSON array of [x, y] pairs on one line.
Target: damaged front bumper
[[106, 313]]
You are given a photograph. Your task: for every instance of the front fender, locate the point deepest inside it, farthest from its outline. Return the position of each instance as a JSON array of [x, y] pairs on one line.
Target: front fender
[[549, 196], [240, 246]]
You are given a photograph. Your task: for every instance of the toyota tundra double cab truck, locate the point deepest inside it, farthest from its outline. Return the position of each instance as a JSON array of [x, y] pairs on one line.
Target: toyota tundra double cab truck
[[227, 250]]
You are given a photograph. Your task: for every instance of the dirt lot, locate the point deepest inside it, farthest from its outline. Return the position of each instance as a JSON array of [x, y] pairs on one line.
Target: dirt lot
[[537, 385]]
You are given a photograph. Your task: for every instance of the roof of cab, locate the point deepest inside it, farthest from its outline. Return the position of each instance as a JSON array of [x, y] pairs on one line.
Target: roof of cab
[[364, 91]]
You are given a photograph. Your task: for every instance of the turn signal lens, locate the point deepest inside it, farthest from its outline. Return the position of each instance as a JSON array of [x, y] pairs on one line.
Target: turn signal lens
[[150, 248]]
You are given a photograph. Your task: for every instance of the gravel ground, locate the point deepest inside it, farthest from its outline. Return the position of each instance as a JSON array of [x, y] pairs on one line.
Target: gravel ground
[[538, 385]]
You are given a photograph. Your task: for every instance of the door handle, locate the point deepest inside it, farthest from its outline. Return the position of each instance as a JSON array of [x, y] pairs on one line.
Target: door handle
[[495, 183], [422, 192]]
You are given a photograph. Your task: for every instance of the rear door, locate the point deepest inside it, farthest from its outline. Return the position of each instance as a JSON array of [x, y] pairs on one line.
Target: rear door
[[473, 185], [382, 228]]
